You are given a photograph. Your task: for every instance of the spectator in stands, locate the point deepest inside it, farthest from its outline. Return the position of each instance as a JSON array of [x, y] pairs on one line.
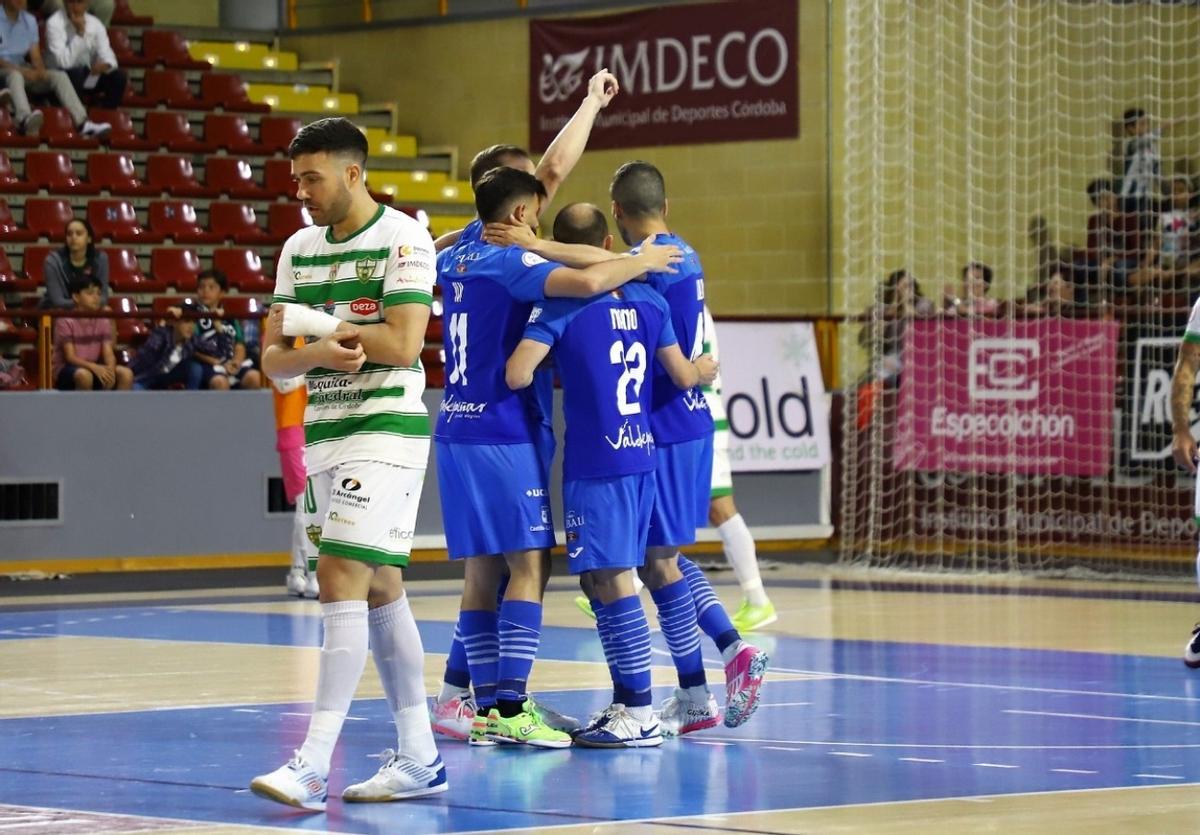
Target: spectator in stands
[[1171, 258], [1114, 241], [899, 300], [102, 9], [1053, 295], [1141, 165], [163, 361], [78, 258], [220, 360], [77, 44], [83, 348], [1049, 254], [972, 298], [22, 72]]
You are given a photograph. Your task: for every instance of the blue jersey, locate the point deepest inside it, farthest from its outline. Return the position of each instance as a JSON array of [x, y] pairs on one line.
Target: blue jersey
[[487, 293], [603, 347], [680, 415]]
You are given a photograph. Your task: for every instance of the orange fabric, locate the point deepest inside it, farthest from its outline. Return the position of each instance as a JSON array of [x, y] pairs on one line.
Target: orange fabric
[[289, 408]]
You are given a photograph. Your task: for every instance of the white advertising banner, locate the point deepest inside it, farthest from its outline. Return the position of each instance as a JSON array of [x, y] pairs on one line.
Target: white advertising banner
[[774, 396]]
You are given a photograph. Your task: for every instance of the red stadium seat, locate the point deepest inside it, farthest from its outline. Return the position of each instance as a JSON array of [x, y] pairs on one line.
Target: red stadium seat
[[225, 90], [232, 176], [285, 219], [276, 133], [277, 178], [47, 217], [34, 263], [176, 219], [169, 87], [117, 221], [53, 171], [236, 222], [10, 183], [230, 131], [244, 269], [168, 47], [12, 281], [123, 137], [58, 130], [11, 136], [174, 175], [15, 332], [125, 274], [124, 16], [118, 39], [161, 303], [179, 268], [129, 331], [243, 307], [115, 173], [169, 129]]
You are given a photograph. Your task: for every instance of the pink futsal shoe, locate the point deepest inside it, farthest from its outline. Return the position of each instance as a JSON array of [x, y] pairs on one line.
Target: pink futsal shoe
[[743, 677]]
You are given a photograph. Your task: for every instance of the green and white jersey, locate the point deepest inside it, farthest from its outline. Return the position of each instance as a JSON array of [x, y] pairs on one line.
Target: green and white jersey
[[1192, 332], [716, 406], [375, 414]]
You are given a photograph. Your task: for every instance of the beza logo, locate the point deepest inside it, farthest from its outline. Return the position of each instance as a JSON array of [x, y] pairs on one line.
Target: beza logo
[[364, 306], [1002, 369], [351, 485]]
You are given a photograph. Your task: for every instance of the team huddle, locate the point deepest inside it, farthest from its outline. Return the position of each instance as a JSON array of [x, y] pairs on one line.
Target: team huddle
[[625, 334]]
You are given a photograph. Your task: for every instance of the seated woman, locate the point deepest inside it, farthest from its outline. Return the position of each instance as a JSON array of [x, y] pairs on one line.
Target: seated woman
[[898, 300], [78, 259]]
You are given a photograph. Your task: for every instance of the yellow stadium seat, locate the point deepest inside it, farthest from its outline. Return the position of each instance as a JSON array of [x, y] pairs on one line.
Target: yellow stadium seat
[[242, 56], [303, 99], [384, 144], [441, 224], [408, 189]]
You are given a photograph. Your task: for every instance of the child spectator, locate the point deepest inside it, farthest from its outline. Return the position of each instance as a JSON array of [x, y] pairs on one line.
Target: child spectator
[[1171, 261], [163, 360], [77, 259], [220, 360], [83, 348]]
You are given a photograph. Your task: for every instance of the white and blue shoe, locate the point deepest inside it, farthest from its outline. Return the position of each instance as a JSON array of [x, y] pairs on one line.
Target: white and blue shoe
[[616, 727], [399, 778], [294, 784]]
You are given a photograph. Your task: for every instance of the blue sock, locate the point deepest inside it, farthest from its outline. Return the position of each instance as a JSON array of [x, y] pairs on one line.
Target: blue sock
[[710, 614], [482, 647], [457, 674], [520, 628], [631, 642], [677, 617], [605, 630]]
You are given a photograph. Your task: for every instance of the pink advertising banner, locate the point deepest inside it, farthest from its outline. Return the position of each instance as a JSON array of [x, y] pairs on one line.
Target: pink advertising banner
[[712, 72], [986, 396]]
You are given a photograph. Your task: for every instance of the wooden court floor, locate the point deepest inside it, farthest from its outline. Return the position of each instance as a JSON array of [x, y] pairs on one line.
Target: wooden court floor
[[896, 703]]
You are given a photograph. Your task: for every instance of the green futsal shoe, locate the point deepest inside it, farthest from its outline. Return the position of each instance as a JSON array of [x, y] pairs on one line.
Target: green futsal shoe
[[526, 728], [752, 618]]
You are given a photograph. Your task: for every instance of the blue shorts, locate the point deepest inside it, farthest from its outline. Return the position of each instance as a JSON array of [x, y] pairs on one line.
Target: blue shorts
[[495, 498], [681, 493], [607, 520]]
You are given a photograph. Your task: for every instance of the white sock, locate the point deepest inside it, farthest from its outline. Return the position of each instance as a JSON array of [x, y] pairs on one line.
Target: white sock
[[643, 714], [300, 543], [698, 694], [731, 651], [449, 691], [343, 657], [400, 659], [741, 554]]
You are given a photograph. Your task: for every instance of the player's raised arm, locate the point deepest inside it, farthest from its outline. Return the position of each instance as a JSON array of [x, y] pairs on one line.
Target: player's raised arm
[[566, 149], [567, 282], [518, 371], [1183, 383]]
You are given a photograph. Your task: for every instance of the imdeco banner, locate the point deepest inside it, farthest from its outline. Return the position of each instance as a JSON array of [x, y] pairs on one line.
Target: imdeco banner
[[714, 72]]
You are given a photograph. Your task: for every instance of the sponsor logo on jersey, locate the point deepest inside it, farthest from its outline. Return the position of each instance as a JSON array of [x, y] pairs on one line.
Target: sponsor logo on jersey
[[575, 552], [453, 408], [534, 315], [574, 520], [399, 533], [695, 400], [365, 269], [532, 259], [364, 307], [414, 263], [461, 267], [333, 271], [408, 249], [535, 492], [330, 306], [349, 493], [545, 524], [336, 519], [353, 485], [631, 436]]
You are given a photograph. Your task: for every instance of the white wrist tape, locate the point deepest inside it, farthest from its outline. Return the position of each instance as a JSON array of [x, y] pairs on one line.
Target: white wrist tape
[[288, 384], [304, 321]]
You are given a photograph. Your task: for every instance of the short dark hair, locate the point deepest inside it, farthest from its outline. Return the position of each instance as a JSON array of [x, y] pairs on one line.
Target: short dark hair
[[639, 189], [493, 157], [1132, 116], [580, 223], [335, 135], [217, 276], [80, 283], [1097, 187], [982, 267], [500, 188]]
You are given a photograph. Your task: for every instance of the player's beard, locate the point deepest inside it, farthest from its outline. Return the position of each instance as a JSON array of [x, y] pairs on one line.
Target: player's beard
[[339, 207]]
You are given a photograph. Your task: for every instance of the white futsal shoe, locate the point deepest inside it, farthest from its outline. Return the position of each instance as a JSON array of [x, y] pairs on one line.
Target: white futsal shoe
[[681, 715], [399, 778], [617, 728], [295, 582], [1191, 653], [294, 784]]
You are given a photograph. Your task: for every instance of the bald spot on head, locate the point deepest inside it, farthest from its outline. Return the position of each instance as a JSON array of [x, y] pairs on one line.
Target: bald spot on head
[[581, 223]]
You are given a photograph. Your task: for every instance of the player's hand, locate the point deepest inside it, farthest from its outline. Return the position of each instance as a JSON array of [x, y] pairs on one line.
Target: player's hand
[[1183, 447], [340, 351], [707, 366], [510, 234], [602, 87], [658, 258]]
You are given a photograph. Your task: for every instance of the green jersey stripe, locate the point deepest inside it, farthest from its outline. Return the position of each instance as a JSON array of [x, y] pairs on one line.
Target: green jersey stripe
[[278, 299], [386, 422], [337, 548], [407, 297], [339, 291], [324, 398], [1191, 337], [328, 259], [367, 368], [720, 425]]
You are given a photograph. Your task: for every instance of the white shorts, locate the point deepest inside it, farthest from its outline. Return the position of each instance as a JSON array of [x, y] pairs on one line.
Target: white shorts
[[367, 510], [722, 475]]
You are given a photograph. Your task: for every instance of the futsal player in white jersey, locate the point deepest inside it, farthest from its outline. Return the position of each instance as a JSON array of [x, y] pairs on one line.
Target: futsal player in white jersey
[[359, 285], [1183, 445]]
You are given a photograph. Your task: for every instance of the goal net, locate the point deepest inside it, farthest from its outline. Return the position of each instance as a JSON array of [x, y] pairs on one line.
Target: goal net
[[1017, 201]]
